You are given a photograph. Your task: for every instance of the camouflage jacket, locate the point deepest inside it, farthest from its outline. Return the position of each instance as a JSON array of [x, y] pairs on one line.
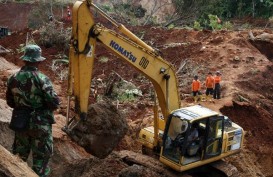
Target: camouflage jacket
[[29, 88]]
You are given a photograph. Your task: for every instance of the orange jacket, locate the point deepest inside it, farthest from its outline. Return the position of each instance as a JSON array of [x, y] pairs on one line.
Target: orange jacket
[[196, 85], [209, 82], [217, 79]]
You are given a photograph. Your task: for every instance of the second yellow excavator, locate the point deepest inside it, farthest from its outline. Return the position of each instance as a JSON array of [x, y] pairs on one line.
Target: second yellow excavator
[[184, 138]]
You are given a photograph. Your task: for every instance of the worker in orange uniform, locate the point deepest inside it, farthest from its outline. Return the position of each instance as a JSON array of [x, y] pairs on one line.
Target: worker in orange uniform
[[217, 87], [196, 88], [209, 86]]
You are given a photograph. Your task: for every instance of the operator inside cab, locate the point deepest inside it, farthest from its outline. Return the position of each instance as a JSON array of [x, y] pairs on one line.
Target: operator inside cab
[[183, 138], [193, 143]]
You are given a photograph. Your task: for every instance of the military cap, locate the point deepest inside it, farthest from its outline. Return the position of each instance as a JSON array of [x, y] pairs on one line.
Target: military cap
[[32, 54]]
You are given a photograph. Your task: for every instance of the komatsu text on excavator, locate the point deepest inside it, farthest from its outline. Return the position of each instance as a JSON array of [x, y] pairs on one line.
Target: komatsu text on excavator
[[171, 136]]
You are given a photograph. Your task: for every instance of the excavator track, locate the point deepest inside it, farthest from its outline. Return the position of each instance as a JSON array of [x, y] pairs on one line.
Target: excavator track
[[215, 169], [226, 168]]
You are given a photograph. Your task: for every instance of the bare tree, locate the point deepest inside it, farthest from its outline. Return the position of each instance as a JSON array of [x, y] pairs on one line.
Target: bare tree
[[185, 11], [157, 5]]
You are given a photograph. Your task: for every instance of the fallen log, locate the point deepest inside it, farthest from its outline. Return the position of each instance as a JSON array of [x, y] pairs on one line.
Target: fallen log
[[13, 166]]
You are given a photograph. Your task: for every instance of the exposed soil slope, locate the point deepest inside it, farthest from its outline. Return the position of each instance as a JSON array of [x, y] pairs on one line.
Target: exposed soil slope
[[247, 90]]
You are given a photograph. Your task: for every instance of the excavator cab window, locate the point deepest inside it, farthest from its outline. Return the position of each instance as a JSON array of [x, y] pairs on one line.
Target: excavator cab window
[[174, 137], [214, 136], [208, 144]]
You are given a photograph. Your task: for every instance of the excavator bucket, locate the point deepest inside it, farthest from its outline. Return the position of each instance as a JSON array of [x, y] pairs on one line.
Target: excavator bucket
[[102, 131]]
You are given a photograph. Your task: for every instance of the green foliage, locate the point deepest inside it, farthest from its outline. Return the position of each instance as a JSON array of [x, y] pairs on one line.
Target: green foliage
[[269, 2], [123, 90], [240, 8], [126, 97], [213, 22], [106, 8], [193, 10], [197, 25], [227, 25], [171, 26], [103, 59]]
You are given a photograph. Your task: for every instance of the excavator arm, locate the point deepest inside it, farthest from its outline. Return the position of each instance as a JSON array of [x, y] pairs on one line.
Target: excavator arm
[[129, 48]]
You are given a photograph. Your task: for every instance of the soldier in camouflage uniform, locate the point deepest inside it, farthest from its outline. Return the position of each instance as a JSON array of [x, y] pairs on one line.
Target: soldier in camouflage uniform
[[31, 89]]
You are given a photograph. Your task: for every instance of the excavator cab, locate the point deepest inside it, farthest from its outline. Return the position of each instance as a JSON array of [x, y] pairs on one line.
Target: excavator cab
[[190, 138]]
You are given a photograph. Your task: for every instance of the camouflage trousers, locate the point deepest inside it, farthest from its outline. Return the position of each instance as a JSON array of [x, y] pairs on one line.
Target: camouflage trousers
[[39, 140]]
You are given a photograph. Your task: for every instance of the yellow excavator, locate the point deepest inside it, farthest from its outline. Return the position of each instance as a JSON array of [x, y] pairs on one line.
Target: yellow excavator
[[183, 138]]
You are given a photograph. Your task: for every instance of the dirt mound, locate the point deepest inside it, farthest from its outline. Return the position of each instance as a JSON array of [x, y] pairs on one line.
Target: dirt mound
[[103, 129], [255, 120], [257, 154], [259, 86]]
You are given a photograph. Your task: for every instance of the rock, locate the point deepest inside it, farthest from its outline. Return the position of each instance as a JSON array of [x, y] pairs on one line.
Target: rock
[[5, 65], [265, 37], [236, 59], [101, 132]]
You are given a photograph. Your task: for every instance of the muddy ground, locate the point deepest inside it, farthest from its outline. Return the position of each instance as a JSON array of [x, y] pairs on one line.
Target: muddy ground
[[247, 93]]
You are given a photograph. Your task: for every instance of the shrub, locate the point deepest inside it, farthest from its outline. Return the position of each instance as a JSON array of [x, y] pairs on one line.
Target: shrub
[[228, 25], [213, 22], [38, 16], [197, 25], [106, 8], [42, 11], [54, 34]]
